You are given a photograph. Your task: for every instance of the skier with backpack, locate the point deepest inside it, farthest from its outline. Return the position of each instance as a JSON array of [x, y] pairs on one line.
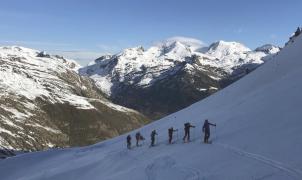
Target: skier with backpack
[[153, 133], [206, 130], [298, 32], [129, 141], [187, 128], [170, 133], [138, 137], [247, 71]]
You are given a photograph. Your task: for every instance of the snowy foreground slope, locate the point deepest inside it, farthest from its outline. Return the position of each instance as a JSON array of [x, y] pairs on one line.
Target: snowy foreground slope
[[258, 137]]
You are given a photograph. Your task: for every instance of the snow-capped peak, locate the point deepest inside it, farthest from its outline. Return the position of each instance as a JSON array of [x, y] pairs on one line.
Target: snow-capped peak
[[132, 52], [176, 48], [33, 63], [138, 49], [17, 50], [191, 43], [268, 49], [223, 48], [29, 54], [101, 59]]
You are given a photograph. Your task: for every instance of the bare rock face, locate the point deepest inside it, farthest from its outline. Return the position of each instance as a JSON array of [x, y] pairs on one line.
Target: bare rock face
[[45, 103]]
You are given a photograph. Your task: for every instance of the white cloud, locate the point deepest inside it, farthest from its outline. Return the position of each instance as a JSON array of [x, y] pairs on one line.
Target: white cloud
[[194, 43], [82, 57], [187, 40]]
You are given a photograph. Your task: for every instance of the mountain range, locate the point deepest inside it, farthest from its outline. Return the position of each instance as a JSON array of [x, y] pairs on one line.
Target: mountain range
[[172, 74]]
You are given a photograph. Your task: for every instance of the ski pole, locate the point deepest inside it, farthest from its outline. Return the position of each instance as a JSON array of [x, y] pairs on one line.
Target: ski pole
[[193, 134], [215, 133]]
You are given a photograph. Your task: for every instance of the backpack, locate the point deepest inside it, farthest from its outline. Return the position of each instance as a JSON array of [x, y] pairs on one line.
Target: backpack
[[141, 138]]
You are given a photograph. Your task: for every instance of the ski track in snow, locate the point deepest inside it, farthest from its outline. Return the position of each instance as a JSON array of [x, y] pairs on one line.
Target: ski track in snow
[[164, 166], [295, 173], [153, 169]]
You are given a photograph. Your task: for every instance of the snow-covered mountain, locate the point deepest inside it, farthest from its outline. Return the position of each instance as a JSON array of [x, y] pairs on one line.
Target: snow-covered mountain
[[149, 80], [258, 136], [45, 103]]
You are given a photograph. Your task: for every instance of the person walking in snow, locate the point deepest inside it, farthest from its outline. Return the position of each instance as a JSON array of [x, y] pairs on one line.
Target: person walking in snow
[[153, 133], [138, 137], [170, 133], [206, 130], [247, 70], [298, 32], [129, 141], [187, 128]]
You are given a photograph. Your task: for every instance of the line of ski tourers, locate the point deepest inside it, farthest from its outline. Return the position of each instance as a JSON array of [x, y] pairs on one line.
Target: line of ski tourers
[[171, 130]]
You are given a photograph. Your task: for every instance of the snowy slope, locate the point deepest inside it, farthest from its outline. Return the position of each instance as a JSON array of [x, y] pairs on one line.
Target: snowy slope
[[27, 74], [258, 137], [41, 95]]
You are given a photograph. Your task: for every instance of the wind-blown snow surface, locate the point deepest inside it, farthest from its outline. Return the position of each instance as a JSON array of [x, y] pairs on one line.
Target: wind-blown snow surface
[[258, 137]]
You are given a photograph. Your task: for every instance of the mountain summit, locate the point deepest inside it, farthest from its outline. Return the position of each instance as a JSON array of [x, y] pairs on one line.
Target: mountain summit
[[221, 49]]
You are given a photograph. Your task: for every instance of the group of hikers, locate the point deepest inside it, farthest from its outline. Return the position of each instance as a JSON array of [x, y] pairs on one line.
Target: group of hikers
[[171, 130]]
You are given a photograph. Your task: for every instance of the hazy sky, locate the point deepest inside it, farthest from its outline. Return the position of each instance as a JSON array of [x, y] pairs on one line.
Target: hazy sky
[[85, 29]]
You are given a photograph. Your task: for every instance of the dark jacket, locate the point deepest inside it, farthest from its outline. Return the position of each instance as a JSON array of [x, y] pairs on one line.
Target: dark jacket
[[170, 131], [137, 136], [128, 138], [188, 126], [153, 133], [206, 126]]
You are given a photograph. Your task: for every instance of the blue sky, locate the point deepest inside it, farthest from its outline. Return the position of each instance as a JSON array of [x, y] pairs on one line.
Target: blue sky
[[85, 29]]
